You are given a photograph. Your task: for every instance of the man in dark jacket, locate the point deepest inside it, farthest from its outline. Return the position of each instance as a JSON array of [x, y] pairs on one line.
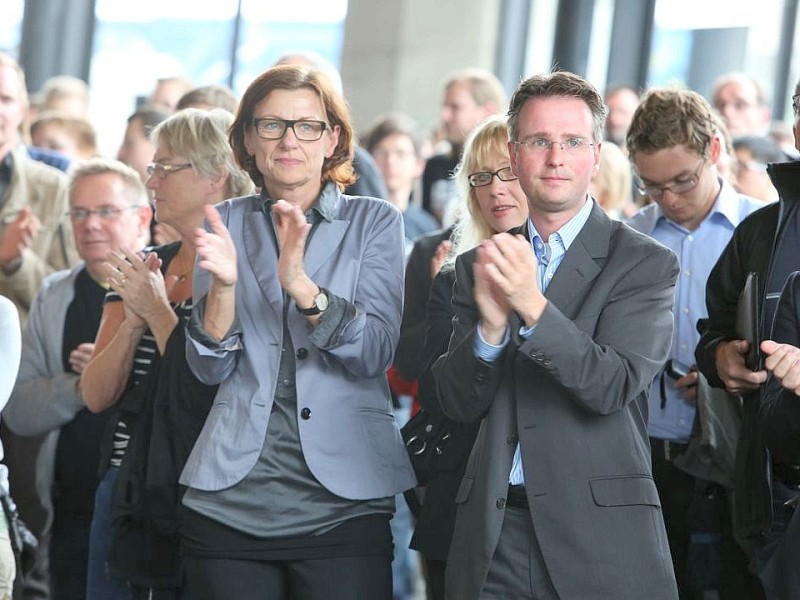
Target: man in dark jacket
[[779, 424], [765, 243]]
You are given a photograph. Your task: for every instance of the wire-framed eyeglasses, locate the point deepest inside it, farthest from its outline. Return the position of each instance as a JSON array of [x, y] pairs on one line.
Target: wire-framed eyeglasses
[[164, 170], [482, 178], [107, 213], [680, 186], [305, 130]]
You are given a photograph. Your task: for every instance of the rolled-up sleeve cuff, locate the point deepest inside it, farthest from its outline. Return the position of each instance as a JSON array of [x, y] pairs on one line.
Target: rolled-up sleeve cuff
[[203, 341], [328, 332]]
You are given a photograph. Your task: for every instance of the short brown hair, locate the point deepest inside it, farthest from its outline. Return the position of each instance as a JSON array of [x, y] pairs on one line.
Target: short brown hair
[[484, 87], [393, 124], [338, 167], [217, 96], [669, 117], [557, 83]]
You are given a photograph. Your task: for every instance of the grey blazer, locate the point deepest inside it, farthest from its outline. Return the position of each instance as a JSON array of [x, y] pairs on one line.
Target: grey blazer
[[348, 434], [574, 395]]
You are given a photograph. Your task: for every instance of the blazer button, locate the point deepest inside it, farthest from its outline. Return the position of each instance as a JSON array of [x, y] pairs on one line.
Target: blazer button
[[305, 414], [512, 440], [302, 353], [501, 503]]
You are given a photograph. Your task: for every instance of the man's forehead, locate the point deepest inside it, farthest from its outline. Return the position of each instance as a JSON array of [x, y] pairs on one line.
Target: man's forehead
[[459, 91], [556, 113], [9, 78], [737, 89]]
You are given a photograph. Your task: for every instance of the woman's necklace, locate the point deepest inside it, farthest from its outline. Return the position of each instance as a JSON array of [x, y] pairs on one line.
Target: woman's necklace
[[185, 274]]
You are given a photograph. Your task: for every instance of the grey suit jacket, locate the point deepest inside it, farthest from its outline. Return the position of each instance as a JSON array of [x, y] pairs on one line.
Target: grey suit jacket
[[349, 439], [45, 396], [574, 395]]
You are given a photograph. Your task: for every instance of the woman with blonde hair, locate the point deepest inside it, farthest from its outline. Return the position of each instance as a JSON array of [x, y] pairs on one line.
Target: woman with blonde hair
[[612, 184], [490, 201], [148, 306]]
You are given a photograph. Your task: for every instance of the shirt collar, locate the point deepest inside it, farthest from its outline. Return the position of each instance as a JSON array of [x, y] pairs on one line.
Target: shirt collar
[[569, 230], [727, 205]]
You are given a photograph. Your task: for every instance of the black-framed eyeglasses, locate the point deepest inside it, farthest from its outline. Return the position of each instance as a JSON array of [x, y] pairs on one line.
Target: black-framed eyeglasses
[[541, 145], [305, 130], [796, 103], [482, 178], [107, 213], [164, 170], [679, 187]]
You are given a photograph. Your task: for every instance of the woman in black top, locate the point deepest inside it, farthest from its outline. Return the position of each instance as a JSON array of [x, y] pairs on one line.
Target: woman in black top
[[151, 292]]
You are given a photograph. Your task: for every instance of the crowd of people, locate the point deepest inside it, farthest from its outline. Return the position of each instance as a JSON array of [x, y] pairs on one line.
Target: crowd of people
[[225, 327]]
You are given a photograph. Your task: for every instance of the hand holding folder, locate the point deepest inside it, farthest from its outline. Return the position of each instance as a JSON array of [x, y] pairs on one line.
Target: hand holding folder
[[747, 321]]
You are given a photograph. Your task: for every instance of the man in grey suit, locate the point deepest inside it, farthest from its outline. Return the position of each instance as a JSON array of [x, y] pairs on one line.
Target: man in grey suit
[[559, 328]]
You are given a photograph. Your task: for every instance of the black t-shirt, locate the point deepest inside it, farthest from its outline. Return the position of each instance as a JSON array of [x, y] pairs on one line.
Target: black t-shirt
[[78, 450]]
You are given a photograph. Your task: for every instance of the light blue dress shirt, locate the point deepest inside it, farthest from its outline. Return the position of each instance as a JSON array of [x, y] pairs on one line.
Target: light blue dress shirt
[[549, 255], [697, 252]]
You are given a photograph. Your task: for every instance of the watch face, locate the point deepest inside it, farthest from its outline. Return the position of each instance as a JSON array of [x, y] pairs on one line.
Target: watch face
[[321, 301]]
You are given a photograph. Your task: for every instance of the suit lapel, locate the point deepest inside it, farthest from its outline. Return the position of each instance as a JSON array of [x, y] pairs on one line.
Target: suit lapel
[[581, 264], [262, 254], [325, 239]]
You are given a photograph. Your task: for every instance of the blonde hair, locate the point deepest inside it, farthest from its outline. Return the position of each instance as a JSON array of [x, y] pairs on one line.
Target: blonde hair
[[134, 188], [202, 137], [487, 140], [612, 183]]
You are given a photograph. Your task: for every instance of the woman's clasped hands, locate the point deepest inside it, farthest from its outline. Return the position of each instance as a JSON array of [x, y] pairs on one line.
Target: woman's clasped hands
[[137, 279]]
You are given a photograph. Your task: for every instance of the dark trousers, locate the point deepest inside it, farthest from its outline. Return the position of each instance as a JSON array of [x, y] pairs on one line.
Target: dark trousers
[[434, 578], [676, 491], [346, 578], [708, 561], [69, 556]]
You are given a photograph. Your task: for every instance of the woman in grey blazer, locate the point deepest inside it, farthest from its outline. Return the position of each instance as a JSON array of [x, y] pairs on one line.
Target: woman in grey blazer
[[299, 289]]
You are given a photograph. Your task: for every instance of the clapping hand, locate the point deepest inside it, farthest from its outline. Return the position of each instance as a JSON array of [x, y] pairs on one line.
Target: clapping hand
[[292, 234], [80, 357], [140, 284], [216, 250], [16, 237]]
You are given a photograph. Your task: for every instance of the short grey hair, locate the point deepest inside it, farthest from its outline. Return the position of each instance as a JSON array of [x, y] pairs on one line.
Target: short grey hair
[[135, 190]]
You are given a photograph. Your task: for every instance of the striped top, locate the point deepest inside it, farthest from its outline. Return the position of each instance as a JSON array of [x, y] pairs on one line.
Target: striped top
[[142, 360]]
